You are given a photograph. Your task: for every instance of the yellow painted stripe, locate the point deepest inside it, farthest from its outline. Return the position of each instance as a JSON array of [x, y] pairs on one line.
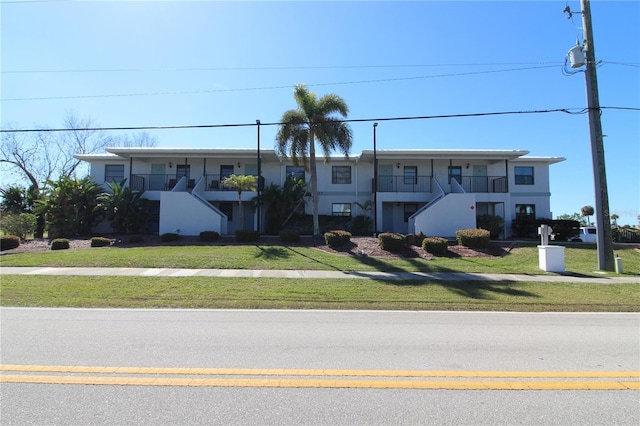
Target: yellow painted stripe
[[323, 383], [317, 372]]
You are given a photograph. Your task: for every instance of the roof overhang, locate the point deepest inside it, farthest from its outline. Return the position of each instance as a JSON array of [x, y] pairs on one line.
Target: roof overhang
[[448, 154], [225, 153]]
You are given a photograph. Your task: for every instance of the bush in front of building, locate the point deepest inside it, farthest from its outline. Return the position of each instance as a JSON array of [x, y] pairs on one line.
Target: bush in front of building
[[100, 242], [136, 239], [473, 238], [390, 241], [337, 238], [60, 244], [414, 240], [209, 236], [169, 237], [289, 236], [493, 224], [435, 245], [8, 242], [247, 235]]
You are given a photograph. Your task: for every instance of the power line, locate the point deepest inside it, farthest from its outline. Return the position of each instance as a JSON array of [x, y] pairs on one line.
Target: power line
[[324, 67], [572, 111], [384, 80]]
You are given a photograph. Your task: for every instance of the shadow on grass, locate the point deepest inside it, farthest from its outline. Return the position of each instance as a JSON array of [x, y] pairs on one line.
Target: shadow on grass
[[299, 253], [273, 252], [474, 289]]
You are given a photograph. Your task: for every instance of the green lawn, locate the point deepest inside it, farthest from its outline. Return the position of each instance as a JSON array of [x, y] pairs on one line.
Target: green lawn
[[272, 293], [579, 259]]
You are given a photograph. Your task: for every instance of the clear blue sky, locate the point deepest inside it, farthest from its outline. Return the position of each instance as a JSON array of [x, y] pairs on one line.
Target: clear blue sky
[[135, 65]]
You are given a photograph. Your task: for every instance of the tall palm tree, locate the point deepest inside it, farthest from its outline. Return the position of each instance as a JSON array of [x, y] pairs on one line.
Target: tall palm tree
[[313, 120], [240, 183]]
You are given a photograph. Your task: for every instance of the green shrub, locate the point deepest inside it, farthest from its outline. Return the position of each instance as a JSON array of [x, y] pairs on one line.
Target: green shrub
[[100, 242], [435, 245], [473, 238], [493, 224], [337, 238], [8, 242], [169, 237], [135, 239], [20, 225], [60, 244], [247, 235], [209, 236], [391, 241], [414, 240], [361, 225], [289, 236]]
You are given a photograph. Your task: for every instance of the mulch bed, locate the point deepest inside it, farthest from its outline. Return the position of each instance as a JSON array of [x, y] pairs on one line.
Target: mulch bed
[[359, 246]]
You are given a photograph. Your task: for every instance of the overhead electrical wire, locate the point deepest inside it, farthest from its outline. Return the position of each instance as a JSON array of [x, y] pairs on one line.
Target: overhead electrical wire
[[383, 80], [281, 68], [356, 120]]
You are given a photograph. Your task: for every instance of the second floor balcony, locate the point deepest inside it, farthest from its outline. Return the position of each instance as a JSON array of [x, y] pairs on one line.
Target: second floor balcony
[[471, 184]]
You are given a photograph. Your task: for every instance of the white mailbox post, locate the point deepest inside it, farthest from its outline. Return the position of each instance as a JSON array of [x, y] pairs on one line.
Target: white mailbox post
[[550, 258]]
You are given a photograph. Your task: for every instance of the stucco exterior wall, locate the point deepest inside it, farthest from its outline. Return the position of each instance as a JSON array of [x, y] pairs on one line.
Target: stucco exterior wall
[[176, 206], [446, 216]]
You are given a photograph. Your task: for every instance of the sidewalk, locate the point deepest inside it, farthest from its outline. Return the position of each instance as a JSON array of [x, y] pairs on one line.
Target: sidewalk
[[312, 274]]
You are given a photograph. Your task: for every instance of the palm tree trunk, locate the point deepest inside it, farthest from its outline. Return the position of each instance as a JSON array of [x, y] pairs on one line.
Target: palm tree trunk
[[314, 184]]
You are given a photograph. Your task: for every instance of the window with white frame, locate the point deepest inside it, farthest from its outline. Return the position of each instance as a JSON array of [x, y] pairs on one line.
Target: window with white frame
[[113, 172], [341, 209], [524, 175], [341, 174]]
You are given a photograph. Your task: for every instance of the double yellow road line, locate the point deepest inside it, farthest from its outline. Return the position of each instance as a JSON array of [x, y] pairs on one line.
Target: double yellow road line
[[314, 378]]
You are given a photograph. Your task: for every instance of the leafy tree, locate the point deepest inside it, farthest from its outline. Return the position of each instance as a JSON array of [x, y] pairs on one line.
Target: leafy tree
[[615, 218], [281, 203], [575, 216], [15, 200], [124, 208], [313, 120], [43, 156], [587, 211], [70, 206], [18, 224], [240, 183]]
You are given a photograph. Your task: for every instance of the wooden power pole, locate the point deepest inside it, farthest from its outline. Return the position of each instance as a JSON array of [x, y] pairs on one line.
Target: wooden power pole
[[603, 222]]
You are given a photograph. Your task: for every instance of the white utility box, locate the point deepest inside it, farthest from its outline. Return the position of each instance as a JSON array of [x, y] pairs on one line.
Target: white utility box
[[551, 258]]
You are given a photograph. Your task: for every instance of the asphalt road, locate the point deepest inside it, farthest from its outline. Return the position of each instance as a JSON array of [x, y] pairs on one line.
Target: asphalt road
[[294, 353]]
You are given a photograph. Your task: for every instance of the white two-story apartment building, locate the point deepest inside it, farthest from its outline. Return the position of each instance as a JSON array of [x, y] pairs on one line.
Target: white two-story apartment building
[[433, 191]]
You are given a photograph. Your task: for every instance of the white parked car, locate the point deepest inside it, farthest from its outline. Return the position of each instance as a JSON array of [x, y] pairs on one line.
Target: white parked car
[[587, 234]]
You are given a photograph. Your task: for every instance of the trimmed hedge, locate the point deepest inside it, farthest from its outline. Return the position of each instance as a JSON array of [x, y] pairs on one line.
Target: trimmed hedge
[[209, 236], [169, 237], [247, 235], [337, 238], [100, 242], [60, 244], [414, 240], [435, 245], [391, 241], [8, 242], [473, 238], [289, 236], [135, 239]]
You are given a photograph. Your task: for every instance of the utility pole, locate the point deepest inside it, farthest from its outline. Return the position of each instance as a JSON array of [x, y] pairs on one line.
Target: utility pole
[[603, 223]]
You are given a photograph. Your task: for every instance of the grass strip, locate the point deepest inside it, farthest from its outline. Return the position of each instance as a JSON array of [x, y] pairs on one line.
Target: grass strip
[[273, 293], [520, 260]]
